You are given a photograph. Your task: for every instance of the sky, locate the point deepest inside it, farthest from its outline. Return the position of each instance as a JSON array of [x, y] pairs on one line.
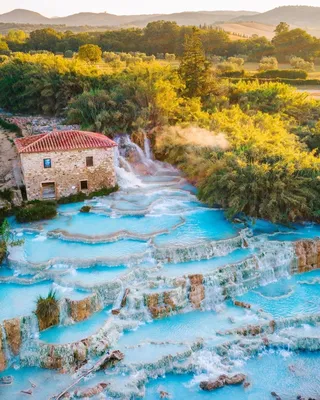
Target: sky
[[121, 7]]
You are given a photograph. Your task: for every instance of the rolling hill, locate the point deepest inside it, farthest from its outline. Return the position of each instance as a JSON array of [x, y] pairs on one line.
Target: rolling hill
[[104, 19], [299, 16]]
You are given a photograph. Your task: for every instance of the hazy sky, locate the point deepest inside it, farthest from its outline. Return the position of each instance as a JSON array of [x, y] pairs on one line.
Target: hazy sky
[[65, 7]]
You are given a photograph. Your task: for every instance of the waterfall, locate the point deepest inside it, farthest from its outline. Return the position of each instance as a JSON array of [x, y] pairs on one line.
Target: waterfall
[[147, 147], [125, 176], [214, 298]]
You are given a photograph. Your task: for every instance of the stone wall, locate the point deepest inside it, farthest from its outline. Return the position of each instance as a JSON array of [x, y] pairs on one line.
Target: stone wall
[[68, 168], [308, 255]]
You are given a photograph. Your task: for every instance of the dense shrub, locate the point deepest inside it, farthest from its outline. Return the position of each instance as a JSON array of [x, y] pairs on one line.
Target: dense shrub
[[85, 209], [234, 74], [301, 64], [283, 73], [79, 197], [10, 127], [267, 63], [36, 211]]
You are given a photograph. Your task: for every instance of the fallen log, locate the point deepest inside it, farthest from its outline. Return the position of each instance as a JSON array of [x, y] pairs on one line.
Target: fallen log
[[101, 363]]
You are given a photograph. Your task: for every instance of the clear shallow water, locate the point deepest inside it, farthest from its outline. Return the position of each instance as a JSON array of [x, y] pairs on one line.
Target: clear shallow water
[[189, 327], [160, 203], [20, 300], [95, 225], [205, 266], [287, 297], [269, 372], [199, 226], [39, 249], [98, 275], [76, 332]]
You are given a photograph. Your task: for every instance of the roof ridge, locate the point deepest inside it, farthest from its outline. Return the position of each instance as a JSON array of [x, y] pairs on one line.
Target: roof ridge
[[43, 135]]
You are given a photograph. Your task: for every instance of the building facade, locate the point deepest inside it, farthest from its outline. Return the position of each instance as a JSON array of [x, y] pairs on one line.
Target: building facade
[[60, 163]]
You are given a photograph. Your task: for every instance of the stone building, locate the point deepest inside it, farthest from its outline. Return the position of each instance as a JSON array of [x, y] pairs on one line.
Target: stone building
[[61, 163]]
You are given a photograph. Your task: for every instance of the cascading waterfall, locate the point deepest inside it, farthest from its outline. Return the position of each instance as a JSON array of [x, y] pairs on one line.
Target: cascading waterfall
[[213, 294], [125, 175], [147, 147]]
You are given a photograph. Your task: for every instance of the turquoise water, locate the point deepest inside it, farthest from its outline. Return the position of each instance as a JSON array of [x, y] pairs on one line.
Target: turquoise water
[[287, 297], [20, 300], [76, 332], [269, 372], [189, 327], [160, 213]]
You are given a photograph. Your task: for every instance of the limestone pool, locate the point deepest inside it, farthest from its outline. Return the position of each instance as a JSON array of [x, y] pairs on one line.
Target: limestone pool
[[185, 295]]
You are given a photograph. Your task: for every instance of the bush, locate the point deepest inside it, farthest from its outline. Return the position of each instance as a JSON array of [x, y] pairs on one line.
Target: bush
[[236, 60], [68, 54], [282, 73], [85, 209], [79, 197], [226, 67], [3, 250], [10, 127], [301, 64], [170, 57], [90, 53], [36, 211], [47, 310], [235, 74], [267, 63]]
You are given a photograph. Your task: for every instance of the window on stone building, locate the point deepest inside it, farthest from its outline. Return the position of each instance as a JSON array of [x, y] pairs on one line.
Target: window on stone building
[[84, 185], [47, 163], [89, 161]]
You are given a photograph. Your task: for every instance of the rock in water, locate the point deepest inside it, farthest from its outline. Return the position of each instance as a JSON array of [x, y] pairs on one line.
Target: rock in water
[[222, 381], [164, 395], [87, 393], [6, 380], [274, 394]]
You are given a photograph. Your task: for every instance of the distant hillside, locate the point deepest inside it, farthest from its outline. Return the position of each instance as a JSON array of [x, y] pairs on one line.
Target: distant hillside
[[301, 16], [23, 17], [104, 19], [247, 29]]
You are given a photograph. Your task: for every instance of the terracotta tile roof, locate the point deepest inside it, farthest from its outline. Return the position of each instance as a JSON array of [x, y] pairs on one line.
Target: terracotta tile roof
[[63, 141]]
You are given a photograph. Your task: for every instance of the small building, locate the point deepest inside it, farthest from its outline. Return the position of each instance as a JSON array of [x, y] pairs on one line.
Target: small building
[[60, 163]]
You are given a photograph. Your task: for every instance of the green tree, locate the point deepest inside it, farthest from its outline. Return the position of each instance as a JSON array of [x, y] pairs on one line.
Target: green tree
[[296, 42], [194, 68], [90, 53], [283, 27], [44, 39]]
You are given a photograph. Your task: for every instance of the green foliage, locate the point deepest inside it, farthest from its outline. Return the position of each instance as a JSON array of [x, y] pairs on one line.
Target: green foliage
[[295, 42], [282, 73], [80, 197], [194, 68], [265, 172], [36, 211], [301, 64], [47, 310], [85, 209], [90, 53], [10, 127], [268, 63]]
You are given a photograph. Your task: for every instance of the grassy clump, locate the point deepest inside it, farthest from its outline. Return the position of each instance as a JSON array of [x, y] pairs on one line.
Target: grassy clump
[[3, 250], [85, 209], [47, 310], [36, 211], [79, 197]]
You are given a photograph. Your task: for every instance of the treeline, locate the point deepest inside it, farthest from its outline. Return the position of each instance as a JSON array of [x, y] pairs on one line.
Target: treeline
[[249, 147], [162, 37]]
